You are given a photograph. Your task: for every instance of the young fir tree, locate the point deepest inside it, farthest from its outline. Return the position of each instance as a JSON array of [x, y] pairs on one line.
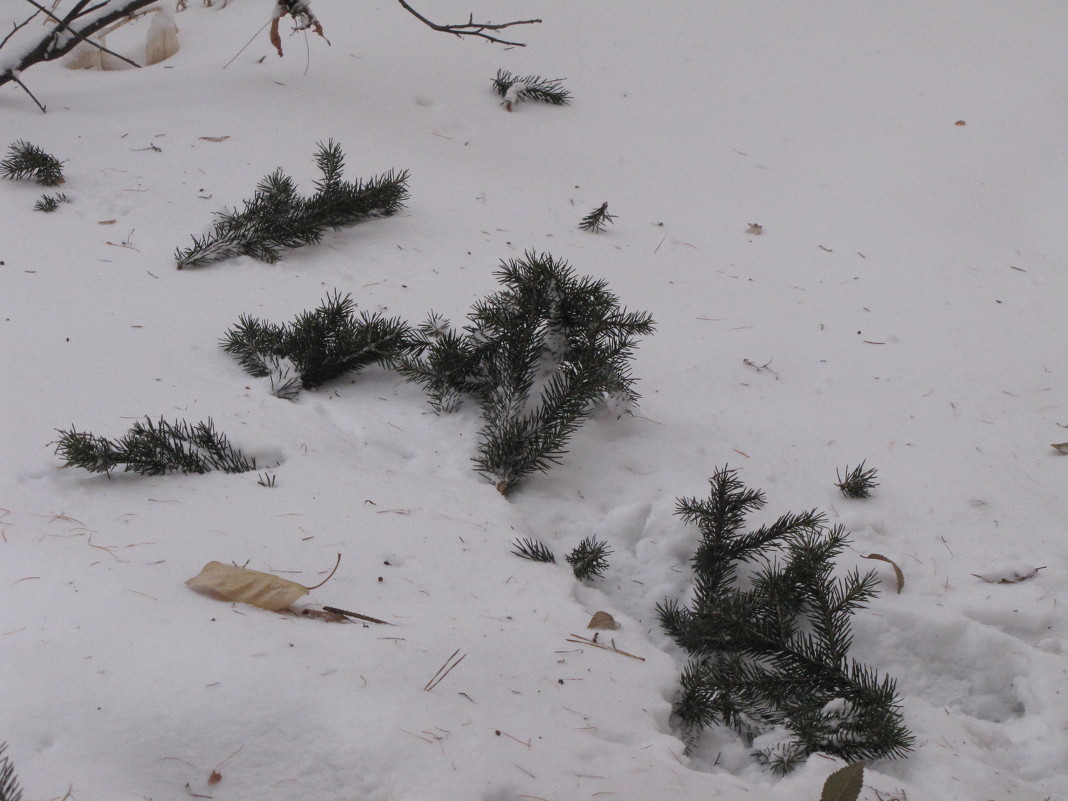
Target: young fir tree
[[539, 356], [26, 160], [152, 449], [278, 217], [318, 346], [768, 629]]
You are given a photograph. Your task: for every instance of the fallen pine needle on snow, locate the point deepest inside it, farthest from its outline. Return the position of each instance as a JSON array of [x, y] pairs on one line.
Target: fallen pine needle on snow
[[444, 670], [578, 638]]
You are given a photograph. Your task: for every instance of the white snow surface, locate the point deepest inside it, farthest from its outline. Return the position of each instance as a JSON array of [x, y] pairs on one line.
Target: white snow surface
[[904, 305]]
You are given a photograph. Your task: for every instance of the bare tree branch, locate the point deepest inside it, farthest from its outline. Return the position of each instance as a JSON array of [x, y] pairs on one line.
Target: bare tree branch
[[83, 37], [64, 35], [15, 28], [471, 28], [88, 17]]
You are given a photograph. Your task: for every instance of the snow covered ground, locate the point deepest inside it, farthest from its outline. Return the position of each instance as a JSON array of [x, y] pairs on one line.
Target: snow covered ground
[[903, 305]]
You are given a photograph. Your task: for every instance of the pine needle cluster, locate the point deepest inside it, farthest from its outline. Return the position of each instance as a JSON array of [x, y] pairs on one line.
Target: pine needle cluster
[[768, 630], [278, 217], [49, 203], [589, 559], [858, 482], [153, 449], [9, 783], [534, 550], [539, 356], [596, 219], [318, 346], [26, 160], [516, 88]]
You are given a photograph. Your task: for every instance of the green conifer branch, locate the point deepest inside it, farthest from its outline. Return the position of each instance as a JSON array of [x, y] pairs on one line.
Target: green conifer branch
[[318, 346], [534, 550], [768, 630], [152, 449], [589, 559], [530, 87], [9, 783], [278, 218], [539, 356], [26, 160]]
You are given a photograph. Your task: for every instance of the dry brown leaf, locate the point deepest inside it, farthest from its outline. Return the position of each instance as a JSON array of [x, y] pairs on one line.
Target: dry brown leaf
[[893, 564], [602, 620], [215, 777], [1060, 446], [1012, 575], [214, 138], [755, 228], [233, 583]]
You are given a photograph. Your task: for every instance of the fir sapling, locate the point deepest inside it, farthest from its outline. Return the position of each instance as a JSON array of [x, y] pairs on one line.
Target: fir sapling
[[26, 160], [769, 630], [318, 346], [278, 217], [153, 449], [539, 357]]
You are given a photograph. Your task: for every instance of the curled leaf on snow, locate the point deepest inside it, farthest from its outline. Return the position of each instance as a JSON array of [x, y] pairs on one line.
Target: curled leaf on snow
[[602, 620], [897, 570], [241, 585], [1009, 575], [1061, 447]]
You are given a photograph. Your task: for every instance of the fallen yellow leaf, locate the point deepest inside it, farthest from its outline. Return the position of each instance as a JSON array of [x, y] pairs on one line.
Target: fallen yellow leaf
[[233, 583]]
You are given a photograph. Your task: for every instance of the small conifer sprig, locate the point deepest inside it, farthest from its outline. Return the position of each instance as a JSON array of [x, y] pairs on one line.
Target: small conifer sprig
[[858, 482], [49, 203], [279, 218], [768, 630], [9, 783], [589, 559], [26, 160], [516, 88], [153, 449], [318, 346], [596, 219], [539, 356], [534, 550]]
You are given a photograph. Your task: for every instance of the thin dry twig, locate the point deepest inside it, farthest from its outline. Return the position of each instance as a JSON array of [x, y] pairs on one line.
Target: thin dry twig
[[472, 28]]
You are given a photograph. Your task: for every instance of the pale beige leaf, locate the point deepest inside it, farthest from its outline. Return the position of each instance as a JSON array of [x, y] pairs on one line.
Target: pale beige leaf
[[1060, 446], [897, 570], [602, 620], [233, 583]]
